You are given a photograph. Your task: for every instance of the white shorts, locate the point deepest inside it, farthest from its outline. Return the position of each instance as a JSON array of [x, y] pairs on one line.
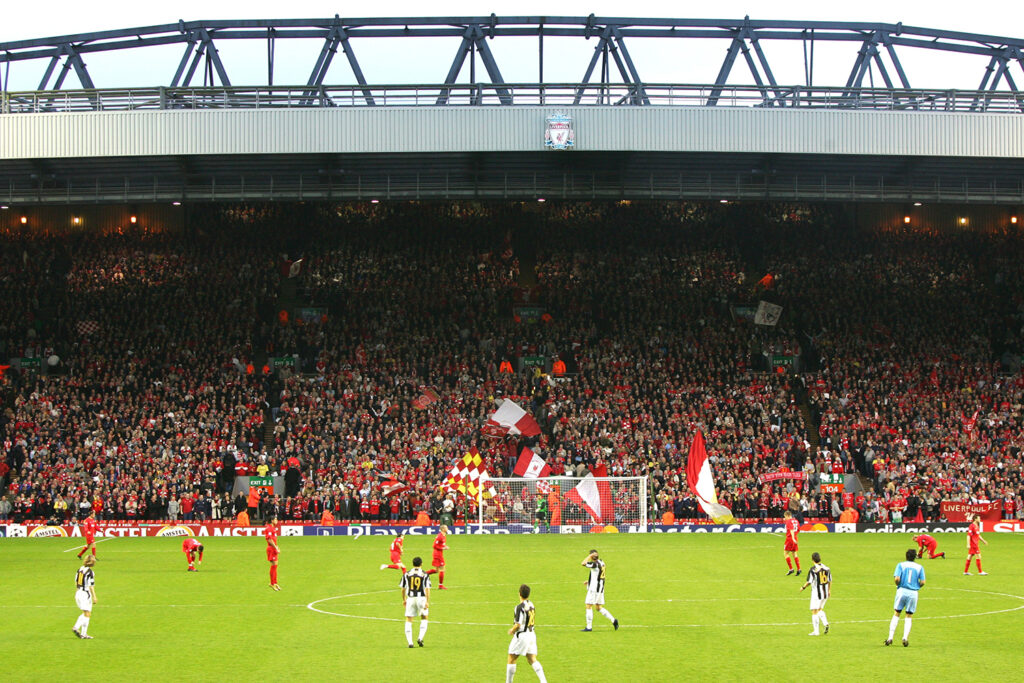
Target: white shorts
[[84, 601], [523, 643], [594, 598], [415, 607], [818, 603]]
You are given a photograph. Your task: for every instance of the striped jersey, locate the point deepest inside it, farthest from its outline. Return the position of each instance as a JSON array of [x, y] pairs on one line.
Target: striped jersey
[[85, 579], [596, 581], [524, 616], [415, 583], [820, 577]]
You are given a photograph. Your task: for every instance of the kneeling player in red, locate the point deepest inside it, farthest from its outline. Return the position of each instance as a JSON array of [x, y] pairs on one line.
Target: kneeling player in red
[[926, 542], [272, 551], [191, 547]]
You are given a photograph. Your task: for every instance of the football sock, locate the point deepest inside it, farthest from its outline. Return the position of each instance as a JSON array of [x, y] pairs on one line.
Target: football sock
[[607, 615], [789, 562], [510, 672], [82, 551], [823, 619], [906, 628], [423, 628], [85, 626], [78, 621], [540, 671], [977, 561], [797, 560], [967, 567], [273, 574], [440, 576], [590, 618], [190, 565], [393, 566], [408, 632], [814, 622], [94, 551], [892, 625]]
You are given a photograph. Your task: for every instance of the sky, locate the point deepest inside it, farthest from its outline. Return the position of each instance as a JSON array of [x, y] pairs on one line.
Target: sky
[[428, 60]]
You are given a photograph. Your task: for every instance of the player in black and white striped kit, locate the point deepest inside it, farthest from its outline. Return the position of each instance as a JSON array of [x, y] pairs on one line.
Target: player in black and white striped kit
[[416, 599], [85, 596], [820, 579], [595, 591], [524, 639]]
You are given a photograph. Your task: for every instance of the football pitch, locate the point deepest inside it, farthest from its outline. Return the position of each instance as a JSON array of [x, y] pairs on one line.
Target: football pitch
[[691, 607]]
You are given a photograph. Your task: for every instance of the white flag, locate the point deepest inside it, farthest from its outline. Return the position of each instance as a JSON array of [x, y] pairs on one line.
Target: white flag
[[767, 314]]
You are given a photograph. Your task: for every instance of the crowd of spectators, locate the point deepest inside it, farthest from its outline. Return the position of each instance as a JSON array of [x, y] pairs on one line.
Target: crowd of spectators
[[156, 386]]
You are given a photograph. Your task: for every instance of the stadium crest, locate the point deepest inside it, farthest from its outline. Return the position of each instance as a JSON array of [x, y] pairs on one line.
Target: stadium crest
[[559, 133]]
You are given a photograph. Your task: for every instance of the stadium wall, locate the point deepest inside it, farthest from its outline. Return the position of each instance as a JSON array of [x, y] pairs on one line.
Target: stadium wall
[[201, 529], [509, 129]]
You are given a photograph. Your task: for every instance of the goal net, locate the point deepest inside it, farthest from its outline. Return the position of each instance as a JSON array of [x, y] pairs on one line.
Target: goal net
[[565, 504]]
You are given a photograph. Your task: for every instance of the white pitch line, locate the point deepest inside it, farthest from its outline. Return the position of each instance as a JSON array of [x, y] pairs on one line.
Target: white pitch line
[[312, 607], [78, 547]]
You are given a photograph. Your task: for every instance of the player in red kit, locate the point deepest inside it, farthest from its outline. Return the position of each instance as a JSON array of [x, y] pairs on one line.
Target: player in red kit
[[926, 542], [272, 550], [396, 554], [791, 546], [438, 561], [89, 527], [191, 547], [973, 550]]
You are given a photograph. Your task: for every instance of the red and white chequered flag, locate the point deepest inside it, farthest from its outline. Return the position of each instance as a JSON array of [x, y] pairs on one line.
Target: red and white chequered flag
[[87, 327]]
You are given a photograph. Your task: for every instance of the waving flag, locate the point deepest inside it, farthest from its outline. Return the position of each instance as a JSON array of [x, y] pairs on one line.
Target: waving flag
[[531, 465], [767, 314], [425, 399], [469, 476], [702, 483], [389, 486], [587, 496], [511, 419]]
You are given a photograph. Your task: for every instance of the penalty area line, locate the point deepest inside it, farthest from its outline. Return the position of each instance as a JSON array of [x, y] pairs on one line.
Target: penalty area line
[[78, 547]]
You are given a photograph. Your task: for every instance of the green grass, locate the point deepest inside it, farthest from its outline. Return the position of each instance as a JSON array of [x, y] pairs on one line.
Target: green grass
[[692, 607]]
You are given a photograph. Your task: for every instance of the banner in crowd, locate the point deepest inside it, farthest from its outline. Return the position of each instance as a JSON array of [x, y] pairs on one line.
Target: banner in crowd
[[775, 476], [958, 512], [767, 313]]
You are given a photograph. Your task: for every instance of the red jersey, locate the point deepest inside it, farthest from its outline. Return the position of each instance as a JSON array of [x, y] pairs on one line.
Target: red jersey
[[396, 545], [439, 544], [792, 530], [190, 545], [89, 527], [271, 535], [925, 541], [973, 534]]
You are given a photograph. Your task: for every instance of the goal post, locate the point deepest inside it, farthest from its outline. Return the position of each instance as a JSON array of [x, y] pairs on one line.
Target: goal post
[[565, 504]]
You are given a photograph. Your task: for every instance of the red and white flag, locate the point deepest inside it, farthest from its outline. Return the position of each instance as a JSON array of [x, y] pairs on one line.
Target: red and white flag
[[587, 496], [594, 495], [531, 465], [511, 419], [702, 482]]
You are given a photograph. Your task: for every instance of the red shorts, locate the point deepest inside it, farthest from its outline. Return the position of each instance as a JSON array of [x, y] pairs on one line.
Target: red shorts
[[791, 547], [272, 554], [438, 560], [396, 558], [974, 549], [89, 540]]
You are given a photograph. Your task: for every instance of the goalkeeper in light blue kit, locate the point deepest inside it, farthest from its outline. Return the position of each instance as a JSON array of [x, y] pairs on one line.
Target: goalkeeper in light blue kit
[[909, 576]]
